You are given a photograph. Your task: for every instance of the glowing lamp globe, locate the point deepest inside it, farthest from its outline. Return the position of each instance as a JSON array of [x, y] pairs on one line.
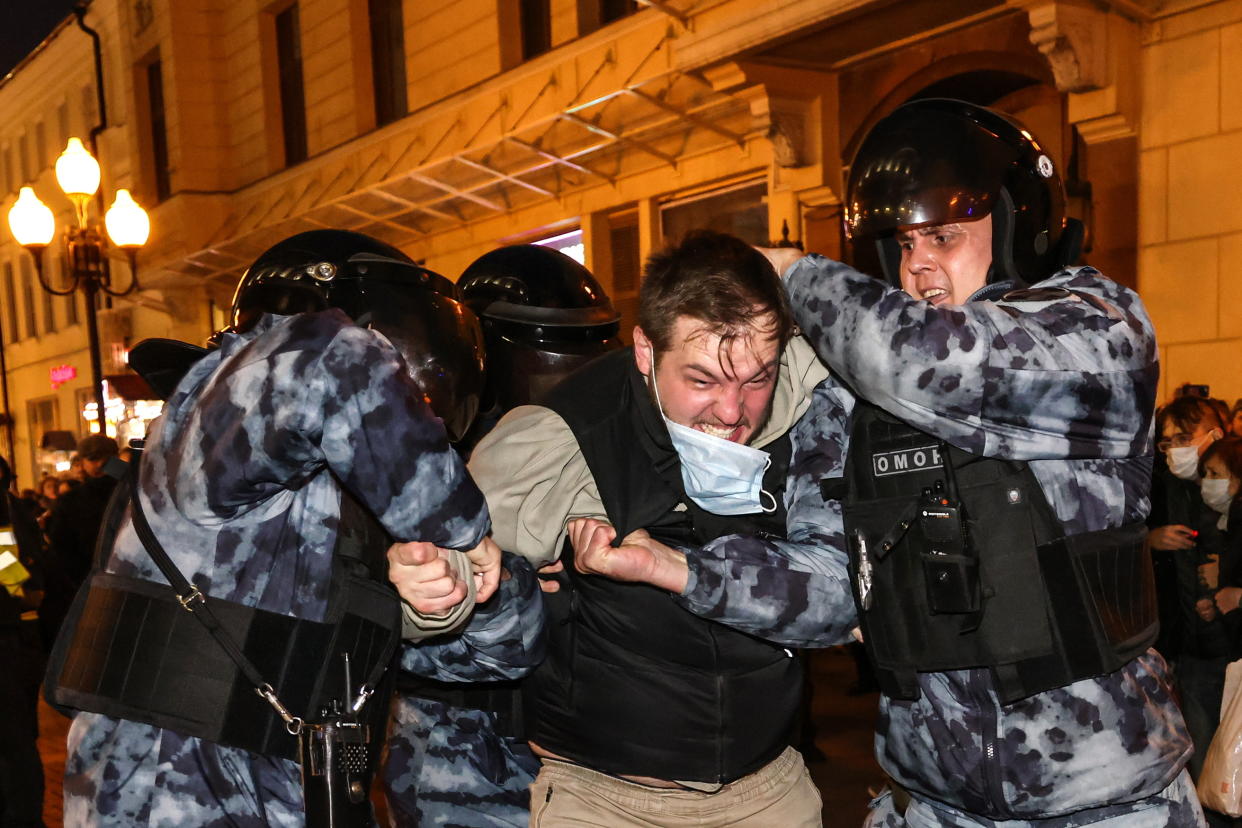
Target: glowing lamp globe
[[77, 171], [128, 224], [30, 220]]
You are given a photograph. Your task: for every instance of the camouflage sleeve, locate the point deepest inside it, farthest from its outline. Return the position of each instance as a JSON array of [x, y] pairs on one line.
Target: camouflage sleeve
[[1065, 370], [794, 591], [384, 444], [503, 640]]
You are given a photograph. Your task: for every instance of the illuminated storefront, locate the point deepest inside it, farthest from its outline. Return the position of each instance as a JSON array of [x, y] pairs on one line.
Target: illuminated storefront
[[129, 408]]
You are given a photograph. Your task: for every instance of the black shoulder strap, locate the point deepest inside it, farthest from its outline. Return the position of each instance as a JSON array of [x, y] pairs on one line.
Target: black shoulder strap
[[195, 602]]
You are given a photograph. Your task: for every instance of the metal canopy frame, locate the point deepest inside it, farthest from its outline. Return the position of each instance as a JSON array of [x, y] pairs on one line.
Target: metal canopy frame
[[663, 6], [399, 196]]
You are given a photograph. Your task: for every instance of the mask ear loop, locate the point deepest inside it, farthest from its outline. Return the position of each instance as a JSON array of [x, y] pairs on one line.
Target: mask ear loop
[[762, 491], [655, 386]]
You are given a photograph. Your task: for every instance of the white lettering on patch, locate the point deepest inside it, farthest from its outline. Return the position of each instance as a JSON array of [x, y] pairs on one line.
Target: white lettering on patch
[[904, 461]]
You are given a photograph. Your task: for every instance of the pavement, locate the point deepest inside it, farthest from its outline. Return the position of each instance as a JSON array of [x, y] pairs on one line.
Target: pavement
[[843, 728], [53, 729]]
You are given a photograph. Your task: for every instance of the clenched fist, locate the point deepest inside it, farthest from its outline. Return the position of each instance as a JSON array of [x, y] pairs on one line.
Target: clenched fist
[[485, 566], [425, 578], [640, 558]]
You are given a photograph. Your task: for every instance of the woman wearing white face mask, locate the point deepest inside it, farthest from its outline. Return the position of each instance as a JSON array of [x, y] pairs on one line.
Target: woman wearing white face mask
[[1187, 426], [1218, 590], [1192, 636], [1221, 487], [1184, 429]]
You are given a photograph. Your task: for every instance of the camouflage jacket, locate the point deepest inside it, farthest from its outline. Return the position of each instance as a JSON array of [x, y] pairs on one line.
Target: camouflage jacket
[[241, 482], [503, 640], [1062, 376]]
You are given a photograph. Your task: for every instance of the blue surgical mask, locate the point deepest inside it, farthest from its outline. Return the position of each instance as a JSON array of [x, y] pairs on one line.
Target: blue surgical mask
[[722, 477]]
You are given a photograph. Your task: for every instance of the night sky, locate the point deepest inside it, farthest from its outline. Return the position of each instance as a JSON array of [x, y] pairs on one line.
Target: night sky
[[24, 24]]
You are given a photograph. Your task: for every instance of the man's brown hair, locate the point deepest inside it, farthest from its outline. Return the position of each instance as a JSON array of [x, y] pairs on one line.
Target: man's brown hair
[[717, 279]]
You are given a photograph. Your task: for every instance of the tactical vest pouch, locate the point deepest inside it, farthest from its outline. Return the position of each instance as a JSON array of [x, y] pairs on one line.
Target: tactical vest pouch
[[137, 654], [1102, 599], [162, 655], [906, 626], [1110, 571]]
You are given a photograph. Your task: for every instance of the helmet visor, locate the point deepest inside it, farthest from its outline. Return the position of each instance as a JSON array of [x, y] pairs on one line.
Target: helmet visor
[[921, 167]]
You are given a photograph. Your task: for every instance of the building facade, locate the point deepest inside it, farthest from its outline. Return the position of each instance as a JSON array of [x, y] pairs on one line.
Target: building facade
[[450, 128]]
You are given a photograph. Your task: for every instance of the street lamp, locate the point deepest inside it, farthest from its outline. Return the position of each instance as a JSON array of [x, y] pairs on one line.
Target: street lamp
[[126, 225]]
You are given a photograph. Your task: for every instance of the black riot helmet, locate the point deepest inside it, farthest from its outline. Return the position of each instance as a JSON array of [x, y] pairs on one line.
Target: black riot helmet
[[379, 287], [939, 161], [543, 314]]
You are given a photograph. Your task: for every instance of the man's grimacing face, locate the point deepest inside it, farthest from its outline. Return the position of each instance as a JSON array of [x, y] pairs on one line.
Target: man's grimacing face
[[725, 393], [947, 263]]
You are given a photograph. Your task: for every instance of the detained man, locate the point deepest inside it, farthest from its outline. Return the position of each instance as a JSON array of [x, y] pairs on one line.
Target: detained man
[[678, 482]]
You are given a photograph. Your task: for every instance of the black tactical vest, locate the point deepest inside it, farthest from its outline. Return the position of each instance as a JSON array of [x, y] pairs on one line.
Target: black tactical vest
[[958, 561], [130, 650], [633, 684]]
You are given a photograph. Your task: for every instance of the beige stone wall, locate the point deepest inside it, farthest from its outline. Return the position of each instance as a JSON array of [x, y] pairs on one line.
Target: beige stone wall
[[1190, 228], [449, 47], [807, 75]]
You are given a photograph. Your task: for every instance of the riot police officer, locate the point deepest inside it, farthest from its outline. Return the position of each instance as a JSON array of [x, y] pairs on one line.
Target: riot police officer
[[999, 462], [456, 753], [282, 463]]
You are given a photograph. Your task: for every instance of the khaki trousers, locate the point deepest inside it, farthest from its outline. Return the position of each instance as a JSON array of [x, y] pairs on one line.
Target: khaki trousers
[[778, 795]]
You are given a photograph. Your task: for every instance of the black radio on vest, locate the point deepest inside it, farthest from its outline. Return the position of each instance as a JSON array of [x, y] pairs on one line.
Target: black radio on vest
[[950, 567]]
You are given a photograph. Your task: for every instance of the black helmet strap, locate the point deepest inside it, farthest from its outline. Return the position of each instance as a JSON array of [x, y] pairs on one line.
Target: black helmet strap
[[1070, 243], [889, 250], [1003, 268]]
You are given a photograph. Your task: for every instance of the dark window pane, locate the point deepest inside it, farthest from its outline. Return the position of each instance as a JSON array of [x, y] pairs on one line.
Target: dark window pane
[[741, 211], [623, 240], [23, 157], [159, 130], [28, 298], [611, 10], [89, 102], [62, 118], [292, 96], [536, 28], [10, 300], [41, 157], [71, 301], [388, 60], [49, 316]]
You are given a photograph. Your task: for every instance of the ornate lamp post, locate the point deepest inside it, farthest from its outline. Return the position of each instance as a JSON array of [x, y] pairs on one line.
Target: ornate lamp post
[[127, 227]]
